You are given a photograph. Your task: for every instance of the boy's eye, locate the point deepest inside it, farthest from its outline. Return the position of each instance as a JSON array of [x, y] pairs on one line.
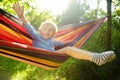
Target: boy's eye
[[50, 29], [44, 29]]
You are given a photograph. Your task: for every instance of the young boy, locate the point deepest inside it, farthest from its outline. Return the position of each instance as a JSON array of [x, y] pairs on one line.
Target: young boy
[[44, 39]]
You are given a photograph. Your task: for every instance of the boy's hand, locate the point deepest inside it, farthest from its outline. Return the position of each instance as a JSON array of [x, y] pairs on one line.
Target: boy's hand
[[67, 42], [19, 10]]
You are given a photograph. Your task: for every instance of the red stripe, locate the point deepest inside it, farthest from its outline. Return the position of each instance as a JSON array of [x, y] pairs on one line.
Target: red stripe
[[9, 37], [10, 22]]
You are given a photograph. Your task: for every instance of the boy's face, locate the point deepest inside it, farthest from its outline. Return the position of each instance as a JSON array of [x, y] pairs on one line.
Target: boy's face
[[48, 32]]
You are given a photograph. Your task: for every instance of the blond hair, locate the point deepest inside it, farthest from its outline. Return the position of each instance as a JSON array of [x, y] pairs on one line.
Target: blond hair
[[50, 24]]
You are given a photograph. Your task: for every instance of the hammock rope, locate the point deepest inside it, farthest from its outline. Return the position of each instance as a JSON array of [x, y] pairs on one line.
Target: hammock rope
[[16, 42]]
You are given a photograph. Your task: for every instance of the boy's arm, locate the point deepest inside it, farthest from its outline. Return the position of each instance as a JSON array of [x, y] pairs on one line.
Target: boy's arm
[[20, 12], [67, 42], [60, 44]]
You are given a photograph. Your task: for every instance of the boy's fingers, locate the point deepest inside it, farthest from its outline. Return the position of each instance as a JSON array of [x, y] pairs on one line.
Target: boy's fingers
[[14, 7], [22, 8], [17, 7]]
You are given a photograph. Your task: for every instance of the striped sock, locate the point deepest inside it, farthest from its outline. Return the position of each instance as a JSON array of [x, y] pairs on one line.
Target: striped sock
[[103, 58]]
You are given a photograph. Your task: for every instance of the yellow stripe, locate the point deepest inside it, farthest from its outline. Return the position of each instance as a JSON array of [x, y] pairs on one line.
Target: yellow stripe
[[70, 33], [28, 62], [83, 38], [32, 58], [4, 28], [9, 30]]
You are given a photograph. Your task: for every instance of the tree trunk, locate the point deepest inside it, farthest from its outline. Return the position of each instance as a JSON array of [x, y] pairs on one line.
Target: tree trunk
[[109, 25]]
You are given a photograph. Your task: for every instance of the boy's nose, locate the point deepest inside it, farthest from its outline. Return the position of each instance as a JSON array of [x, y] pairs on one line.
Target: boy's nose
[[46, 31]]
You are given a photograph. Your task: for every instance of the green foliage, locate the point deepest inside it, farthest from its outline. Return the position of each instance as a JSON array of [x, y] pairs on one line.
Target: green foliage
[[116, 3], [116, 19], [72, 69], [71, 15], [78, 11], [8, 67], [97, 41], [36, 18]]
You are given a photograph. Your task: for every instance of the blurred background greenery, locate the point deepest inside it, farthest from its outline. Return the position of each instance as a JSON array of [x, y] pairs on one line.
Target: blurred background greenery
[[72, 69]]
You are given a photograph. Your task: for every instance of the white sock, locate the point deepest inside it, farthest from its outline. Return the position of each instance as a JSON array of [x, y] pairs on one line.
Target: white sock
[[103, 58]]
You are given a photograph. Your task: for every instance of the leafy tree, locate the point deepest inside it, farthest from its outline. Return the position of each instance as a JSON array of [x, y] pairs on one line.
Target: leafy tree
[[36, 17], [72, 69], [72, 13]]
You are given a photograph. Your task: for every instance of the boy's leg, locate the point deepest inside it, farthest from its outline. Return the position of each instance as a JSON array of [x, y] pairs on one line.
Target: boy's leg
[[76, 53], [99, 59]]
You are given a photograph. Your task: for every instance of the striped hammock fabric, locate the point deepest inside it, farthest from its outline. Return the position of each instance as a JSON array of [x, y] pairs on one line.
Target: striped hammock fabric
[[16, 42]]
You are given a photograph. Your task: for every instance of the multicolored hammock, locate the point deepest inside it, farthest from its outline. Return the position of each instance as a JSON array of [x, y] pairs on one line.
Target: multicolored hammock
[[16, 42]]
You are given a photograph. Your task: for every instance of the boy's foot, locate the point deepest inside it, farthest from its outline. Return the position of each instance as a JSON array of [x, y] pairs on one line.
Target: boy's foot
[[103, 58]]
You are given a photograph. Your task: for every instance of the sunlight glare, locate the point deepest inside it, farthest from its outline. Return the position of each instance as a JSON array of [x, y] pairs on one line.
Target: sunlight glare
[[102, 5], [55, 6]]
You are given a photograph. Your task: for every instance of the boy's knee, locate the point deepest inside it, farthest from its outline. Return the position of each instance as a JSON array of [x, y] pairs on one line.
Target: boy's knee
[[68, 48]]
